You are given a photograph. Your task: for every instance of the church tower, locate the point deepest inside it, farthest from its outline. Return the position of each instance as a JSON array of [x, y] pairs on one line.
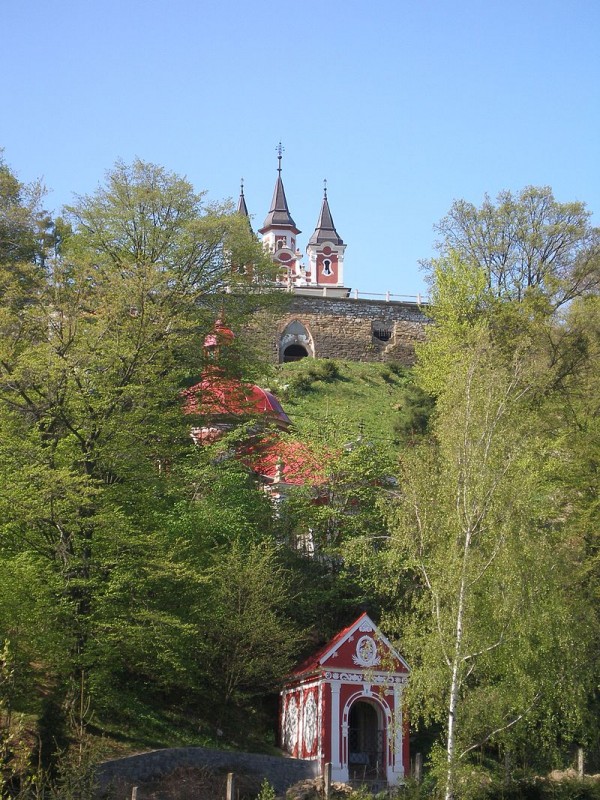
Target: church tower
[[325, 251], [279, 230]]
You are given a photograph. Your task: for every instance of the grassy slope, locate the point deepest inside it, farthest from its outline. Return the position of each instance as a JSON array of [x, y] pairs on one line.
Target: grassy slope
[[360, 398]]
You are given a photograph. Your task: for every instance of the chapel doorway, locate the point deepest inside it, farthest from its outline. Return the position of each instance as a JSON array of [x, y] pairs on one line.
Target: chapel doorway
[[365, 742]]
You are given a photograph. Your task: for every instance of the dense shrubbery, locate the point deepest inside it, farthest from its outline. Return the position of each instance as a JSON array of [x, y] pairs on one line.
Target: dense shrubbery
[[308, 373]]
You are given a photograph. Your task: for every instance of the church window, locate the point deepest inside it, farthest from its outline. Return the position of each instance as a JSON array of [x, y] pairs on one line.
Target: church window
[[327, 267], [281, 242]]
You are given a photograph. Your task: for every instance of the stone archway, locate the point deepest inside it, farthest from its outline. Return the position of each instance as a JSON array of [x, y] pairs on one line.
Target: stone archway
[[295, 342], [294, 352]]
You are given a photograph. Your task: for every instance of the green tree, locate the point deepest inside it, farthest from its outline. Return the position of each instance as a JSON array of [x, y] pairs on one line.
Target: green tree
[[248, 644], [165, 611], [413, 415], [96, 345], [494, 632], [342, 502], [498, 624], [526, 244], [25, 228]]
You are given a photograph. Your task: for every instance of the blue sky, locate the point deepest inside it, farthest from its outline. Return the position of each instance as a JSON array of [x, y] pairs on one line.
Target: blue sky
[[402, 106]]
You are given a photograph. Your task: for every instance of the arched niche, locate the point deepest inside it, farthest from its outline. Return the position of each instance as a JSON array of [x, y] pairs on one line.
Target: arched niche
[[365, 741], [382, 331], [295, 342], [294, 352]]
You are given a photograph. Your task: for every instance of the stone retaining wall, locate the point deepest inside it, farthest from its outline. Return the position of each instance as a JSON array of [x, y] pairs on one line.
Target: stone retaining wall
[[280, 772], [345, 329]]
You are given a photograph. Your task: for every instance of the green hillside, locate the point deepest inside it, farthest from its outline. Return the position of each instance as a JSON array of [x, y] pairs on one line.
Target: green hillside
[[325, 397]]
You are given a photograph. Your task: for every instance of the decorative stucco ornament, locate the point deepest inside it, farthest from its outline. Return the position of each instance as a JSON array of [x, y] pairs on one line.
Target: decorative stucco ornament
[[310, 723], [366, 652], [291, 724]]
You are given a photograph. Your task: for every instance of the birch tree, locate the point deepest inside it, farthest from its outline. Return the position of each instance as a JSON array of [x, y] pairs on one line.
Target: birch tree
[[493, 631]]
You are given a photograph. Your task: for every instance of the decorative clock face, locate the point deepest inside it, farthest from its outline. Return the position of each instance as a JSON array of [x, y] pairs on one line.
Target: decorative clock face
[[366, 652], [291, 724], [310, 723]]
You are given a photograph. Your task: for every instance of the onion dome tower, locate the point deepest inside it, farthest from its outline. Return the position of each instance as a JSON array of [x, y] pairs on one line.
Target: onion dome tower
[[279, 230], [222, 401], [325, 251]]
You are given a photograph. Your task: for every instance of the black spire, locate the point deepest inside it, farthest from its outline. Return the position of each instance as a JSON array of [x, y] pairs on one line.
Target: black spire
[[242, 208], [325, 230], [279, 214]]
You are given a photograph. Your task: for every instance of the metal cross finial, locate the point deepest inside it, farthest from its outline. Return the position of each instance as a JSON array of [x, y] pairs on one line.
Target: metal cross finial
[[325, 186], [242, 186], [280, 150]]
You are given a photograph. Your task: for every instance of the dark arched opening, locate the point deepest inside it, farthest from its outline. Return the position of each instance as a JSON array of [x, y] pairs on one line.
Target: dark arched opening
[[365, 742], [294, 352]]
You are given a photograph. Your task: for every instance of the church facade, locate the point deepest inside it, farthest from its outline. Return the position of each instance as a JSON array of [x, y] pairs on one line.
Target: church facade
[[325, 318]]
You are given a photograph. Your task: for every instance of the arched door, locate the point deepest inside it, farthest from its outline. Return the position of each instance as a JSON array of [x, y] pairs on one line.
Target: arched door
[[366, 741]]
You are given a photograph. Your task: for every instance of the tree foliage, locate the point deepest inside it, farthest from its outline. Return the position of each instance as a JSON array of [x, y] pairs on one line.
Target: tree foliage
[[26, 230], [526, 244], [491, 645], [146, 575], [499, 624], [106, 503]]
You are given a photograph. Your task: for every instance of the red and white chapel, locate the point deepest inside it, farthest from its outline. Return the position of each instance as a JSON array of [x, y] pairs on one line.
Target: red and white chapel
[[344, 706]]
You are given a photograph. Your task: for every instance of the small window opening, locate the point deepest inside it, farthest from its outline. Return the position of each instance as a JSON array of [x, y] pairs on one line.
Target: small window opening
[[327, 267], [382, 334]]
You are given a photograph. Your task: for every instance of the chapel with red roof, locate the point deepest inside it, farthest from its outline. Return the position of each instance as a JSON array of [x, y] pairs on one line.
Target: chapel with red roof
[[343, 706], [220, 402]]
